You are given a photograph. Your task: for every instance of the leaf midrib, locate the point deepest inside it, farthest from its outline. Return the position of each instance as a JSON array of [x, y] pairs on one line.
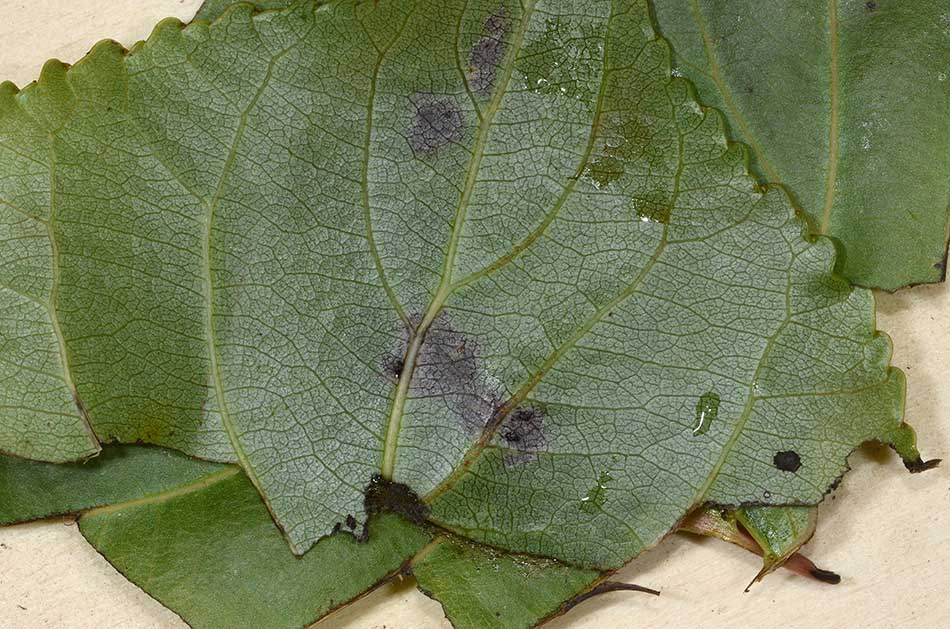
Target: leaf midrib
[[832, 174], [715, 73], [444, 289], [168, 494]]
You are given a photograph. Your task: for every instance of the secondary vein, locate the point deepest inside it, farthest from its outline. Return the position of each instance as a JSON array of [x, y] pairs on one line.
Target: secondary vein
[[226, 419], [364, 178]]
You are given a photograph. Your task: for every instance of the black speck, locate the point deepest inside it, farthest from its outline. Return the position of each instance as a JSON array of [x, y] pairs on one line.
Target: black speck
[[870, 6], [787, 461], [435, 123], [392, 366], [525, 433], [350, 522], [941, 266], [919, 465]]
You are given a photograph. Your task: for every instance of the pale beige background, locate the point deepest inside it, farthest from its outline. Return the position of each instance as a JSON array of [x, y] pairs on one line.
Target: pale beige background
[[886, 532]]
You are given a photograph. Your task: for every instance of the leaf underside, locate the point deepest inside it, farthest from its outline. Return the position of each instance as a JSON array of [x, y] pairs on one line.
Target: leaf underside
[[506, 279]]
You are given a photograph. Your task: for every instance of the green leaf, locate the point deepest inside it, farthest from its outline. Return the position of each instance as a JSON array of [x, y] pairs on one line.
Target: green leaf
[[30, 490], [779, 531], [214, 556], [481, 588], [775, 533], [481, 264], [213, 9], [845, 103]]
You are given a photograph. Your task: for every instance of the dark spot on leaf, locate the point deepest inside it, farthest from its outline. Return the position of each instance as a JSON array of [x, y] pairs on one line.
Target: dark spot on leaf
[[435, 123], [448, 370], [382, 495], [787, 461], [487, 53], [524, 432], [826, 576], [871, 6], [392, 365], [350, 522]]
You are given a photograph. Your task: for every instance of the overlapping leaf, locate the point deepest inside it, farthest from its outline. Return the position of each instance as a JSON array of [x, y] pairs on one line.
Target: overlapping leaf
[[483, 264], [846, 104]]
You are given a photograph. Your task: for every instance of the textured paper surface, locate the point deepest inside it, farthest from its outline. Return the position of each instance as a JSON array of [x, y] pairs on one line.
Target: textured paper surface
[[887, 532]]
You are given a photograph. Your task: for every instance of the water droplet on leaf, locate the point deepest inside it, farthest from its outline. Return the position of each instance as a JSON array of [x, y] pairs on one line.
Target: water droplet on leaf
[[597, 496], [707, 409]]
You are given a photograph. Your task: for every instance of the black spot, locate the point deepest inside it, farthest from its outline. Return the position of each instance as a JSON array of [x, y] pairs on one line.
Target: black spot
[[524, 432], [435, 123], [787, 461], [448, 370], [350, 522], [871, 6], [487, 53], [826, 576], [392, 366], [382, 495]]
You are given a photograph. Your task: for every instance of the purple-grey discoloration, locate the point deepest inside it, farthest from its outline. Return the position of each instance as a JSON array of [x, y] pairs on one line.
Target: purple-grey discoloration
[[435, 123], [487, 53], [448, 370]]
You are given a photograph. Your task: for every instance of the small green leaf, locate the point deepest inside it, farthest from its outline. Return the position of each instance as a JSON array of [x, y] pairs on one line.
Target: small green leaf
[[779, 531], [481, 588], [846, 104], [775, 533], [214, 556]]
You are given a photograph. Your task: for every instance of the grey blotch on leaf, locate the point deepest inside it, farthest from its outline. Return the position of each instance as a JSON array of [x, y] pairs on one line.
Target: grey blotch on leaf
[[448, 369], [525, 433], [487, 52], [435, 123]]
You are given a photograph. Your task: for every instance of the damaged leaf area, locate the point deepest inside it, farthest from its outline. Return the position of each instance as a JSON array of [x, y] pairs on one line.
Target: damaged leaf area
[[478, 278]]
